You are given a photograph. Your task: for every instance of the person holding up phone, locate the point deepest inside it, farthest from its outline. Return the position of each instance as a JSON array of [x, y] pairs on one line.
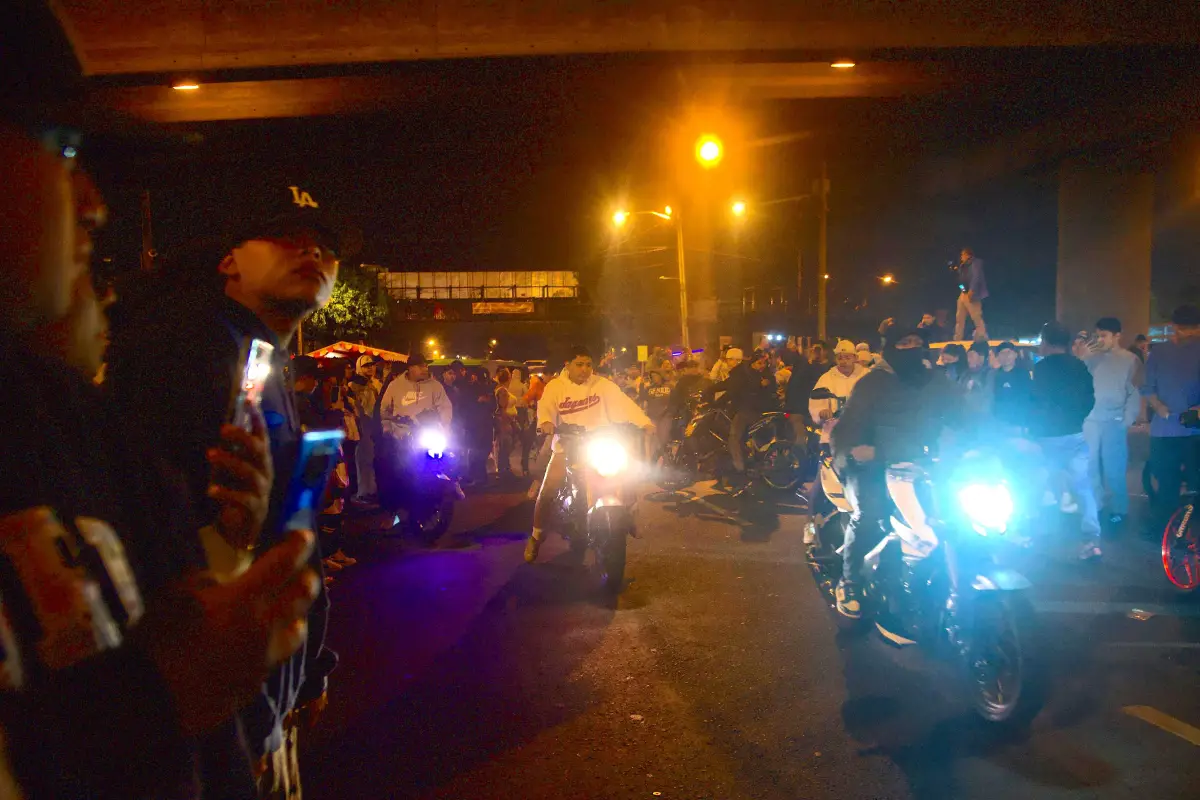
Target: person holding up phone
[[119, 653], [173, 367]]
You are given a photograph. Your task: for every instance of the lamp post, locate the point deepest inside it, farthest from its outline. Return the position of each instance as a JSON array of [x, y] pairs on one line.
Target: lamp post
[[621, 217]]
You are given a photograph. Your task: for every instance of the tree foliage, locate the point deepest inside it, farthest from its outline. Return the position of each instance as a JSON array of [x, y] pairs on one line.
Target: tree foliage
[[357, 308]]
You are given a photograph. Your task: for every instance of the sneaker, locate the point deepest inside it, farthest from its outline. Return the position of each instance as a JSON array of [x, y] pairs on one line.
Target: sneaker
[[328, 581], [847, 600], [343, 559], [1068, 504], [810, 533], [531, 549], [1116, 519], [1090, 552]]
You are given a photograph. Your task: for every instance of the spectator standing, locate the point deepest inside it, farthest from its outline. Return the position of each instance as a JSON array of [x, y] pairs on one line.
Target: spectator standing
[[1140, 347], [974, 291], [1172, 386], [506, 424], [348, 408], [865, 357], [480, 399], [1106, 429], [953, 361], [976, 383], [367, 393], [1011, 387], [725, 364], [174, 370], [118, 657], [1061, 398]]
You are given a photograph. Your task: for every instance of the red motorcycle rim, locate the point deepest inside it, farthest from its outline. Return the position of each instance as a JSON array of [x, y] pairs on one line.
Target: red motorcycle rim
[[1181, 554]]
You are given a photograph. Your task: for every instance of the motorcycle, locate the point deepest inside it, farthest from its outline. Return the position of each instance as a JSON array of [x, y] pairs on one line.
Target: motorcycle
[[417, 475], [594, 506], [1181, 537], [699, 448], [935, 580], [829, 508]]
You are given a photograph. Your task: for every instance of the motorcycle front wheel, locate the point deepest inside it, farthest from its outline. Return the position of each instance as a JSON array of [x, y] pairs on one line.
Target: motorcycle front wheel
[[1004, 659], [610, 558], [430, 526]]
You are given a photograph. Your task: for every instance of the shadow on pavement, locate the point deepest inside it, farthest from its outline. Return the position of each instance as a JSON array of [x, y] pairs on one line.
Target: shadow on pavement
[[906, 708], [414, 705]]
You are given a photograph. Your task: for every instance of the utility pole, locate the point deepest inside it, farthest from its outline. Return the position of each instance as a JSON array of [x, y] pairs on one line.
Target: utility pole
[[683, 298], [822, 252]]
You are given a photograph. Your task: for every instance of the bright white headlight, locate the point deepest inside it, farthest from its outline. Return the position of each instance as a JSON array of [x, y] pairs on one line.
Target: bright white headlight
[[988, 505], [607, 456], [432, 441]]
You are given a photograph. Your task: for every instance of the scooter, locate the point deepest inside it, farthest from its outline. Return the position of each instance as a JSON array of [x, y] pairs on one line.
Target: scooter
[[419, 477]]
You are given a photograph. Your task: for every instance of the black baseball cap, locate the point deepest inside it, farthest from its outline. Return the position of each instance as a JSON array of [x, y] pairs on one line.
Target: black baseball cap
[[1007, 346], [281, 206], [417, 360]]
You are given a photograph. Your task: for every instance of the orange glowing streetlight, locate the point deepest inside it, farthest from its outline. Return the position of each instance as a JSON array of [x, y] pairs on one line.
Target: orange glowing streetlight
[[738, 208], [888, 280], [843, 63], [185, 86], [619, 218], [709, 151]]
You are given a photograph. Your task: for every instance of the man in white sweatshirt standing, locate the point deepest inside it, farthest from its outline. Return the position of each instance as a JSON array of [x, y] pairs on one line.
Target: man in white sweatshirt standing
[[576, 397]]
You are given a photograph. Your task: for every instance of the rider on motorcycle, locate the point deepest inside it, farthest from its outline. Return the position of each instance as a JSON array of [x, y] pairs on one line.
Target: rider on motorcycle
[[750, 391], [840, 380], [895, 412], [576, 397], [411, 394]]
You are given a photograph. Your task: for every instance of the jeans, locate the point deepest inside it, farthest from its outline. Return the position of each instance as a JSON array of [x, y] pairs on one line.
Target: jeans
[[365, 456], [737, 438], [975, 311], [1173, 459], [1108, 461], [1068, 456], [350, 449], [866, 489]]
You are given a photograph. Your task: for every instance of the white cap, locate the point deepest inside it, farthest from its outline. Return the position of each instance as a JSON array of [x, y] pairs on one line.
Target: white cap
[[845, 346], [863, 347], [734, 353]]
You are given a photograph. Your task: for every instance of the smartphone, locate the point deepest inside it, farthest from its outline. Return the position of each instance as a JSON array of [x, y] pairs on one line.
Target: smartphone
[[318, 456], [255, 367]]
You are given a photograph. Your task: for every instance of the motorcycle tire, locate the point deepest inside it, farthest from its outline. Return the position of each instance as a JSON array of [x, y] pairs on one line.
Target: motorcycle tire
[[429, 528], [1181, 554], [610, 558], [1022, 638], [673, 473], [780, 467]]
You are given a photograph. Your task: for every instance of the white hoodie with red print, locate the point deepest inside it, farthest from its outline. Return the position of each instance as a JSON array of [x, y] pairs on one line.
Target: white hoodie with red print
[[593, 404]]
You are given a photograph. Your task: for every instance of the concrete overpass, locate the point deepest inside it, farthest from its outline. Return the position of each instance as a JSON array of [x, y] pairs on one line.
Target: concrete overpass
[[259, 59]]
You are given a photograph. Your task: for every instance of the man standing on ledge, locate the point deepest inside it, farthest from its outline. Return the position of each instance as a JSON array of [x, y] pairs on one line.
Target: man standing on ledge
[[974, 292]]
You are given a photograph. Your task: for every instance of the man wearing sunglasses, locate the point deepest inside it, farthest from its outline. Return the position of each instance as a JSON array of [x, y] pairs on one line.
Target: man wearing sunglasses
[[172, 367]]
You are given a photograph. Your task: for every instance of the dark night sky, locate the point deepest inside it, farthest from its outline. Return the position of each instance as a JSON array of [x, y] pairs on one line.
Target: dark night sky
[[522, 175]]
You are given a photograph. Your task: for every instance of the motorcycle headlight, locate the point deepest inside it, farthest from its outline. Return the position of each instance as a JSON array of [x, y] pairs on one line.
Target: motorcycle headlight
[[607, 456], [432, 441], [987, 505]]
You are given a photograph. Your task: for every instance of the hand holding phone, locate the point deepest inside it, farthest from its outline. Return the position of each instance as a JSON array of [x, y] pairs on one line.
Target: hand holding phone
[[254, 367], [242, 475]]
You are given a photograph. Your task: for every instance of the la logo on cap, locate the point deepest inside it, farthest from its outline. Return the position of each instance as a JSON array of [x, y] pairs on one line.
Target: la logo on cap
[[302, 199]]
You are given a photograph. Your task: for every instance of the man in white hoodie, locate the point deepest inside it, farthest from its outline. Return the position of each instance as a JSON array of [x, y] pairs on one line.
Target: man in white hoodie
[[576, 397], [840, 380]]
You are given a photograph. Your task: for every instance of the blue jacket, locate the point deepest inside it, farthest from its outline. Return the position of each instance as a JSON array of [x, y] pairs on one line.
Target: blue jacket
[[970, 275]]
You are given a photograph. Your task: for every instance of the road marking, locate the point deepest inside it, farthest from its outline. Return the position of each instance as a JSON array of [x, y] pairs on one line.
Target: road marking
[[1165, 722], [1096, 607]]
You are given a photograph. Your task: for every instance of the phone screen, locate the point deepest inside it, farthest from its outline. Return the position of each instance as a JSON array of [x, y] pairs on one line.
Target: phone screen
[[319, 453], [255, 368]]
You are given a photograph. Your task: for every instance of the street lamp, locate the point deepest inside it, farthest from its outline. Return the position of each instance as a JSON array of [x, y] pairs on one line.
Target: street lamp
[[738, 208], [843, 63], [492, 342], [621, 217], [709, 151], [431, 342], [887, 280]]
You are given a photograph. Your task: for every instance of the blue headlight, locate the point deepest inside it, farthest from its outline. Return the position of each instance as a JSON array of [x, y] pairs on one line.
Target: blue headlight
[[988, 506], [432, 441]]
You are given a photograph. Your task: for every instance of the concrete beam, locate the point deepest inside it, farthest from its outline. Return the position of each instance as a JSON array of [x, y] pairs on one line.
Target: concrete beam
[[116, 36]]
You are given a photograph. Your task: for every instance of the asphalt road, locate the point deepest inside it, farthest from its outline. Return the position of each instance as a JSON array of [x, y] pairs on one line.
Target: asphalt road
[[720, 673]]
